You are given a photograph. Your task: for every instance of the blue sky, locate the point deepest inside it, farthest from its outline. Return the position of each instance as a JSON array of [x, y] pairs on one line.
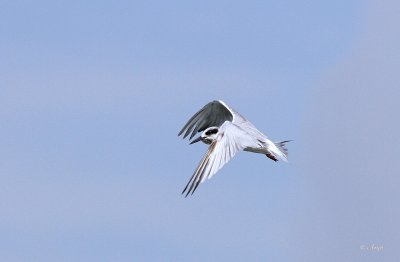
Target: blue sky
[[93, 95]]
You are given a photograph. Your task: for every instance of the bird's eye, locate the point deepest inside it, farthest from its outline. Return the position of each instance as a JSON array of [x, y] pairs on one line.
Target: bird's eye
[[212, 131]]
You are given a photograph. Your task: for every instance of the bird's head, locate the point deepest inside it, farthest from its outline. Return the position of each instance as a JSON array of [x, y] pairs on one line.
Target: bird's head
[[208, 135]]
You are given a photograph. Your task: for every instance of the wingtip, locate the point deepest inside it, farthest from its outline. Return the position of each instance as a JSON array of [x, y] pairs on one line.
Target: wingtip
[[184, 193], [187, 193]]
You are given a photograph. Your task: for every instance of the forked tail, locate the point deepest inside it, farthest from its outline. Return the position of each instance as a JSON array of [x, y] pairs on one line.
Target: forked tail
[[279, 150]]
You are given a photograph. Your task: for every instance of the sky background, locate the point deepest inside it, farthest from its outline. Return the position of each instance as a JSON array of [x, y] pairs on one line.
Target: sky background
[[93, 94]]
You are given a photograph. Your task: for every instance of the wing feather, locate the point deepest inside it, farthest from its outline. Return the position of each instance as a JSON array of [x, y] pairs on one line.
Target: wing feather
[[214, 113], [230, 140]]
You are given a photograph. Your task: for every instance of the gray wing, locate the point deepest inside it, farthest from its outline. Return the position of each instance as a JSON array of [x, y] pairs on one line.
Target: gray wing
[[214, 113], [231, 140]]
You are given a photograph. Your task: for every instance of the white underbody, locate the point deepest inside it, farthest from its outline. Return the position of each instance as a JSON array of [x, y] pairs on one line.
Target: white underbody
[[262, 149]]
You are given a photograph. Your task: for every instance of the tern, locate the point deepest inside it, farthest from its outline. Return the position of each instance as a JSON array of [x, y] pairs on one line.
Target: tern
[[227, 133]]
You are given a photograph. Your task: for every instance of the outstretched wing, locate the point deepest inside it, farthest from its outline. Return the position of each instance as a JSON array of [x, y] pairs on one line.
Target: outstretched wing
[[214, 113], [230, 140]]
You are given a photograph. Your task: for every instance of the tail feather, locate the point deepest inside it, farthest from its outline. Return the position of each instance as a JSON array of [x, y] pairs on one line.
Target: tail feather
[[279, 150]]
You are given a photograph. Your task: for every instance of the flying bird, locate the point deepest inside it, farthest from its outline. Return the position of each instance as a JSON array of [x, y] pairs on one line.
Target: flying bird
[[226, 132]]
